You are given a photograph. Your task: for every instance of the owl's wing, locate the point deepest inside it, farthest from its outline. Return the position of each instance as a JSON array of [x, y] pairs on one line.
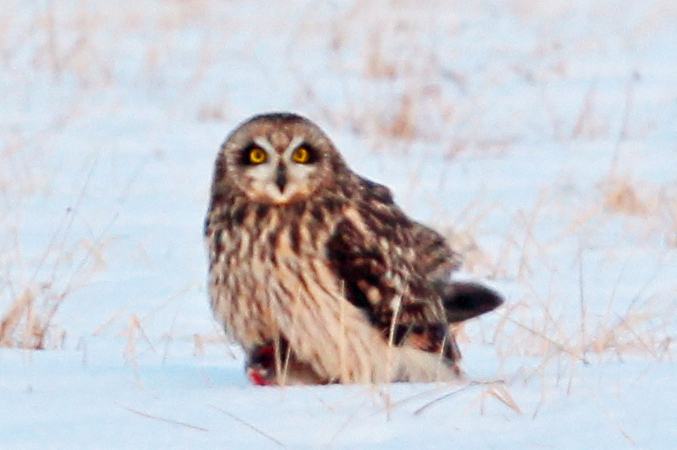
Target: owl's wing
[[374, 254], [377, 279], [397, 271], [434, 258]]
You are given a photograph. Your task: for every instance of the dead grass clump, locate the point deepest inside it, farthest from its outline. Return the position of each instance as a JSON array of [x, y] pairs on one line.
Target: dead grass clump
[[403, 125], [21, 326], [650, 210], [557, 327], [36, 279], [29, 319], [533, 329], [620, 196], [377, 64], [638, 333]]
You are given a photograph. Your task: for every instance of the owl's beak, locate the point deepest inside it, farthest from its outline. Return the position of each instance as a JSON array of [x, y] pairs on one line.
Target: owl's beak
[[281, 177]]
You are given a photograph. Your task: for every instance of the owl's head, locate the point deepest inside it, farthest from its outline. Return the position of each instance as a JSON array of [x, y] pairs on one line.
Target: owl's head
[[277, 158]]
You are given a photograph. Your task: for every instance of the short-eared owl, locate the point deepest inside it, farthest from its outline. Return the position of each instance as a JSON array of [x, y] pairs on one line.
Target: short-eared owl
[[318, 274]]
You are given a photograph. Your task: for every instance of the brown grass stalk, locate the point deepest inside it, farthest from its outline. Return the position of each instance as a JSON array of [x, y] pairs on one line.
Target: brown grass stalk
[[165, 420]]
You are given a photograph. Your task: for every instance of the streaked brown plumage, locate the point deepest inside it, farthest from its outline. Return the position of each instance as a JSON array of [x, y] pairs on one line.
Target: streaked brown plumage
[[318, 274]]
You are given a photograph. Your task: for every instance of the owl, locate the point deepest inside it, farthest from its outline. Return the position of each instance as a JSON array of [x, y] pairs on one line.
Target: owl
[[318, 274]]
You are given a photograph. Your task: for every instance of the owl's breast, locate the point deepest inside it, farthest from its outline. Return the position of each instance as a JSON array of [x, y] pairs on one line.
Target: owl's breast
[[262, 277]]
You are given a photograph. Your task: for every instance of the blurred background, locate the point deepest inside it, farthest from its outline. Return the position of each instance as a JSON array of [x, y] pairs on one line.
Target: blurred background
[[540, 137]]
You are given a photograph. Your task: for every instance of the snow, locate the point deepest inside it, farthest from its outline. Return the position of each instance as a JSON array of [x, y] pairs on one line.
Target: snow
[[540, 137]]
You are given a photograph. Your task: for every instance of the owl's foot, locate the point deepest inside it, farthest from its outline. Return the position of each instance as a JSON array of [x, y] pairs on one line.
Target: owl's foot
[[258, 378], [261, 366], [274, 364]]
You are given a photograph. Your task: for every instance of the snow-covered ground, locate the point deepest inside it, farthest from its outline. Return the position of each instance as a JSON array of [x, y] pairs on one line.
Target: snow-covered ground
[[541, 137]]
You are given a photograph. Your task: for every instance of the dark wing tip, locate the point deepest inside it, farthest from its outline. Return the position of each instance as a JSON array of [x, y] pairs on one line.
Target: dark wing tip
[[463, 301]]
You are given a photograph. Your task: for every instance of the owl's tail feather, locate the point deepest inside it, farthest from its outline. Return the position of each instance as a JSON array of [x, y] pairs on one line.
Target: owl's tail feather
[[463, 301]]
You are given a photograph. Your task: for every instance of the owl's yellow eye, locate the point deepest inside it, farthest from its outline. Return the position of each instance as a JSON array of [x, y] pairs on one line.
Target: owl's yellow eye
[[257, 156], [301, 155]]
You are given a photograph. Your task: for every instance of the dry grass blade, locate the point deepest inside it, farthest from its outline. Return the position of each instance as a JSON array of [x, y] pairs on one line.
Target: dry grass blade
[[444, 397], [549, 340], [248, 425], [392, 405], [344, 426], [164, 419], [499, 392], [581, 292], [132, 333]]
